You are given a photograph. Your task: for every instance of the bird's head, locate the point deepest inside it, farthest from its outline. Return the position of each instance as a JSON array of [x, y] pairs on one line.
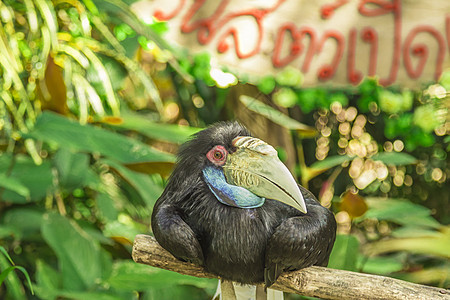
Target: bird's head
[[240, 170]]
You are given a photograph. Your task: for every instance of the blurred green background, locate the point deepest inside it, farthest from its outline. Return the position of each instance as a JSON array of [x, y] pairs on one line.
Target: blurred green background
[[94, 104]]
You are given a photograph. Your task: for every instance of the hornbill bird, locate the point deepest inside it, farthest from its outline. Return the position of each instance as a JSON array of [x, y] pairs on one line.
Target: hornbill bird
[[233, 207]]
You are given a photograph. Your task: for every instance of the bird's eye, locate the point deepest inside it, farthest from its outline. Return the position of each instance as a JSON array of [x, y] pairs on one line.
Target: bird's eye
[[217, 155]]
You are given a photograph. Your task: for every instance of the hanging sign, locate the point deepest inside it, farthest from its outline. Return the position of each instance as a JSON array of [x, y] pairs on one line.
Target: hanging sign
[[331, 42]]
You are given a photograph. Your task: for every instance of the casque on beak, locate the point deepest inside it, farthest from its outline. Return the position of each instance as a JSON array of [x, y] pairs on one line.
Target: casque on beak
[[256, 167]]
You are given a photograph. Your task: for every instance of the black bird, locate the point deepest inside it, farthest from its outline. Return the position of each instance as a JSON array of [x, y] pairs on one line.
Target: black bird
[[233, 207]]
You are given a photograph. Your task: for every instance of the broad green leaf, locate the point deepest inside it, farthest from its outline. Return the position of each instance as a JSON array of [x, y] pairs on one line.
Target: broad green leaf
[[89, 295], [395, 158], [345, 253], [48, 281], [158, 131], [14, 185], [106, 208], [26, 222], [78, 254], [72, 168], [122, 233], [37, 179], [7, 231], [52, 128], [162, 168], [144, 185], [128, 275], [429, 245], [277, 116], [382, 265], [439, 276], [400, 211], [410, 231]]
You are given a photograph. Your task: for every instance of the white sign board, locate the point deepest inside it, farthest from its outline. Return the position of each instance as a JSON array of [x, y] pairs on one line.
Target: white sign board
[[332, 42]]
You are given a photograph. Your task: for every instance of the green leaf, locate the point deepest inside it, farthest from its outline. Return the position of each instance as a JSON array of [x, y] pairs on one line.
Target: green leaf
[[144, 185], [14, 288], [78, 254], [438, 276], [105, 206], [7, 231], [277, 116], [429, 245], [345, 253], [48, 281], [52, 128], [128, 275], [123, 233], [395, 158], [158, 131], [5, 253], [382, 265], [72, 168], [410, 231], [400, 211], [14, 185], [26, 222], [330, 162], [88, 296], [37, 179]]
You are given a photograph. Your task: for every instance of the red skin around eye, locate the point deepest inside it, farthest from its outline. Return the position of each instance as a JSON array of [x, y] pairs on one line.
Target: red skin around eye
[[217, 155]]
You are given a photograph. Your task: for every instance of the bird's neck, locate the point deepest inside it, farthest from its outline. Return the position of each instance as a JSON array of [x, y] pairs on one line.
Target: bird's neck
[[229, 194]]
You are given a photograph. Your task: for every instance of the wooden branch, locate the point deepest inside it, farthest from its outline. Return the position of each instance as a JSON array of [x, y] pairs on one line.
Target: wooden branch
[[313, 281]]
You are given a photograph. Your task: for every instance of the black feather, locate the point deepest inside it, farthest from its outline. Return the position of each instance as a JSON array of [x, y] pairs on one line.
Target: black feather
[[244, 245]]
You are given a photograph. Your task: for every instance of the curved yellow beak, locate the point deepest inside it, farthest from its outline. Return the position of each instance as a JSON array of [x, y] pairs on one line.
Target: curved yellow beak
[[255, 166]]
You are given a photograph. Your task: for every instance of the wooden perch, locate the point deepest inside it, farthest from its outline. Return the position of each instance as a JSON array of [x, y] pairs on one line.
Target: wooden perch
[[313, 281]]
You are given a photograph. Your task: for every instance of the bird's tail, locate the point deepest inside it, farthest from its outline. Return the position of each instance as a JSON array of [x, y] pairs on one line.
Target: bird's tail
[[228, 290]]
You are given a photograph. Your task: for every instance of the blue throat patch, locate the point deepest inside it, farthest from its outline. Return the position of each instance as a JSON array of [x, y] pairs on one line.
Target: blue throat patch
[[229, 194]]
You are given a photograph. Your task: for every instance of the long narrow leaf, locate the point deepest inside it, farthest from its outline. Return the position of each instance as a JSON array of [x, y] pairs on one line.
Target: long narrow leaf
[[14, 185], [106, 81], [8, 42], [81, 96], [32, 16], [5, 253], [46, 46], [48, 14], [75, 54], [276, 116], [104, 30], [6, 272], [122, 10], [133, 69], [82, 85]]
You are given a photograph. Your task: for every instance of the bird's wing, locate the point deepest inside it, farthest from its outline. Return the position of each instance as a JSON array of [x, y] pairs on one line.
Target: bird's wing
[[300, 241], [174, 235]]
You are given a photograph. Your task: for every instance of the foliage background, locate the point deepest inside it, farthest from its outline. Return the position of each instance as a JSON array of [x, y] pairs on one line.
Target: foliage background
[[94, 105]]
